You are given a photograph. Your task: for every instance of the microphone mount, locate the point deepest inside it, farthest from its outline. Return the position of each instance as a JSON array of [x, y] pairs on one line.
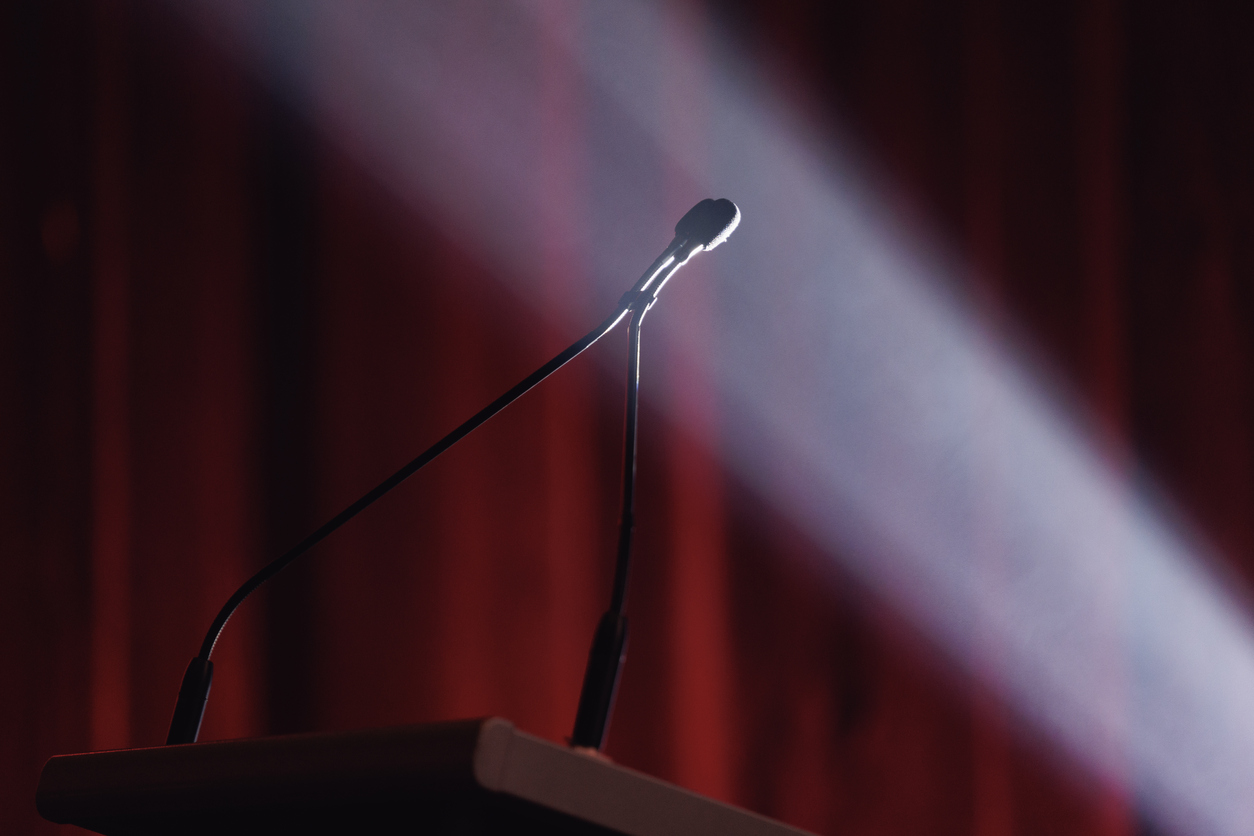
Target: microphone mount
[[705, 226]]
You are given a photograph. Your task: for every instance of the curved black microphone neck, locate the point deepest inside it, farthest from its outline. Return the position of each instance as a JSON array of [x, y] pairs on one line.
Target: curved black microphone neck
[[705, 226]]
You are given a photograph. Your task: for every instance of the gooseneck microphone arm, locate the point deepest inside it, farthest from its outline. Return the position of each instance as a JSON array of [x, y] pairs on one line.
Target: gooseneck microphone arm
[[609, 644], [427, 456], [627, 523], [194, 691], [706, 225]]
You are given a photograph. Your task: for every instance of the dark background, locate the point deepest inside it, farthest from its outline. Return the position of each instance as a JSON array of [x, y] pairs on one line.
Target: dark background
[[215, 330]]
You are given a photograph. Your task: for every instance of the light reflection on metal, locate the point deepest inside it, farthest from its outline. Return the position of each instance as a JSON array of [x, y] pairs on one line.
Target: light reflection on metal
[[864, 398]]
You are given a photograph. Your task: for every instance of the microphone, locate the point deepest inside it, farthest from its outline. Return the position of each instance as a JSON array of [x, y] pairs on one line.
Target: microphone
[[705, 226], [709, 223]]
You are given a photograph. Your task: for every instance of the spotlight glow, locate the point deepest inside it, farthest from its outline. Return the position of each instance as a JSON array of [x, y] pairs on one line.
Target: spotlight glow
[[864, 399]]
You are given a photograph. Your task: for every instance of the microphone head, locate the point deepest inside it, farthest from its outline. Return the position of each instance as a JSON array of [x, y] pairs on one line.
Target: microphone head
[[709, 223]]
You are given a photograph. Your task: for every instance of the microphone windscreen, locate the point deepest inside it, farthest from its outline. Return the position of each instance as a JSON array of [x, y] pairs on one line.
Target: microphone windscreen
[[709, 222]]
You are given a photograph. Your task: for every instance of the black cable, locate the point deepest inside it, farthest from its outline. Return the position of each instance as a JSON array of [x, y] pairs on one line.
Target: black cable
[[426, 457]]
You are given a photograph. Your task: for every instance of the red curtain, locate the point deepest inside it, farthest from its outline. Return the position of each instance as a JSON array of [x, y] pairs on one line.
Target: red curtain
[[217, 330]]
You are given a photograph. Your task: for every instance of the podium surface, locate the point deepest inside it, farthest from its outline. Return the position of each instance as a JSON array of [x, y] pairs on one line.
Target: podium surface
[[470, 777]]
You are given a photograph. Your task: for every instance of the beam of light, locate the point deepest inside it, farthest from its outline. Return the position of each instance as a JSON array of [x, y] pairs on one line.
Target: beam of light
[[863, 398]]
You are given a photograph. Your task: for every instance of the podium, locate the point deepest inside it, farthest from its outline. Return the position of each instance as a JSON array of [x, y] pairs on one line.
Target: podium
[[469, 778]]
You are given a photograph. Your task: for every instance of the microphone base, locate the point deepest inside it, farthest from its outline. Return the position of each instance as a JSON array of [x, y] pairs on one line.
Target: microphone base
[[600, 682], [190, 708]]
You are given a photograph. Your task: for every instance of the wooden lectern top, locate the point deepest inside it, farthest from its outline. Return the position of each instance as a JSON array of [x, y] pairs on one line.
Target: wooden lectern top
[[471, 777]]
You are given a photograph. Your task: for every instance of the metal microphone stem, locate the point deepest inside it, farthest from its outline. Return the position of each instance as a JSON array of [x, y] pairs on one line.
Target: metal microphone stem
[[609, 646]]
